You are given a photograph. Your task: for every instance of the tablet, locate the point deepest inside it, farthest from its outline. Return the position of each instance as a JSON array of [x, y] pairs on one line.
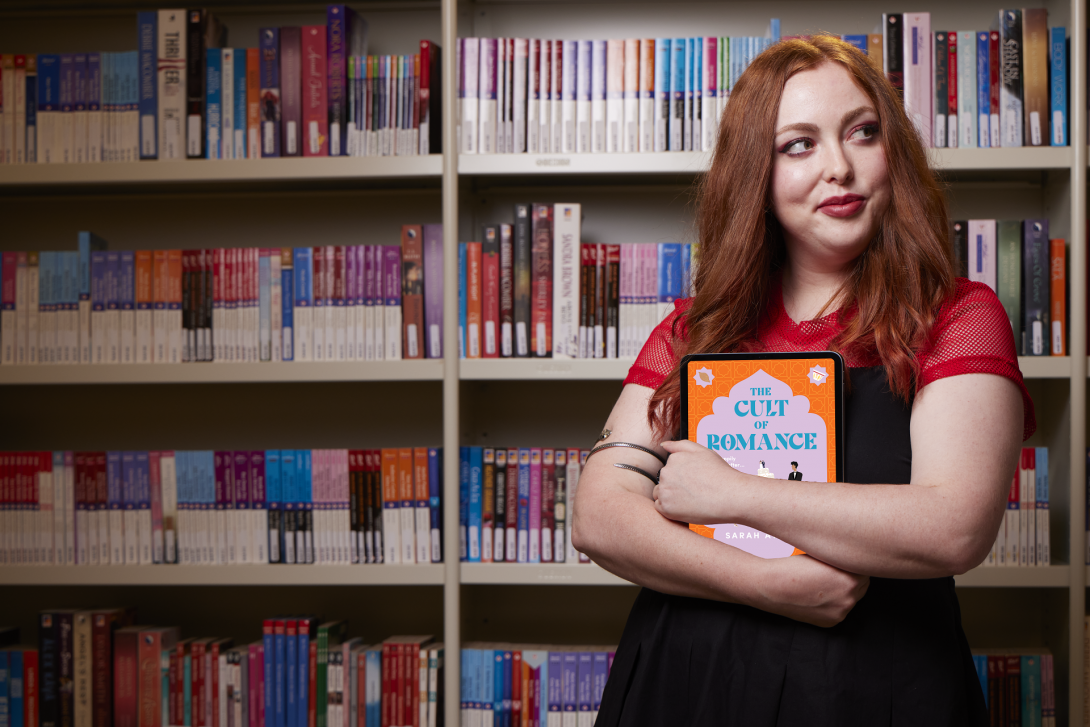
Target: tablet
[[773, 415]]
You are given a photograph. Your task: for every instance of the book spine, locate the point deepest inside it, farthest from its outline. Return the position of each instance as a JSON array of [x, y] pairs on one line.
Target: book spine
[[1057, 61], [534, 506], [1035, 37], [213, 106], [1009, 272], [1058, 291], [982, 252], [1012, 81], [556, 97], [967, 90], [894, 42], [291, 90], [147, 37], [473, 300], [615, 87], [568, 92], [952, 89], [995, 81], [940, 99], [983, 90], [468, 94], [566, 266], [490, 295], [412, 290], [522, 288], [523, 511], [918, 57], [227, 103], [548, 504], [126, 678], [1036, 289], [315, 101], [541, 293], [270, 103], [196, 25]]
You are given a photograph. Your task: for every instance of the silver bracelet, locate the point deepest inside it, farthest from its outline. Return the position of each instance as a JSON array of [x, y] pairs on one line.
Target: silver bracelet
[[633, 468], [628, 444]]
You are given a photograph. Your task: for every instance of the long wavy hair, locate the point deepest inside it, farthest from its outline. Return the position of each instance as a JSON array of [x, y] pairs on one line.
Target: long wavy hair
[[896, 284]]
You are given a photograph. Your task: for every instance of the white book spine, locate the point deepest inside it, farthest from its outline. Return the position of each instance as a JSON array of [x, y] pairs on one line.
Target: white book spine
[[967, 90], [614, 95], [533, 95], [22, 300], [919, 53], [647, 94], [33, 316], [392, 333], [486, 141], [408, 533], [556, 98], [583, 120], [572, 555], [503, 102], [227, 112], [519, 95], [391, 535], [545, 96], [630, 139], [171, 49], [982, 252], [570, 61], [468, 94], [567, 219]]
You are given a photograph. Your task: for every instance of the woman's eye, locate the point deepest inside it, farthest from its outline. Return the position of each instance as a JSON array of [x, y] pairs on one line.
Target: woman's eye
[[797, 147], [866, 131]]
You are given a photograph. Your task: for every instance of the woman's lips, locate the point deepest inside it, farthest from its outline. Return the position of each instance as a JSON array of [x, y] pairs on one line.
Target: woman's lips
[[843, 206]]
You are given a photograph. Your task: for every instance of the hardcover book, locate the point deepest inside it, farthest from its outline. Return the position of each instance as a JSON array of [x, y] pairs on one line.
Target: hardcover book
[[773, 415]]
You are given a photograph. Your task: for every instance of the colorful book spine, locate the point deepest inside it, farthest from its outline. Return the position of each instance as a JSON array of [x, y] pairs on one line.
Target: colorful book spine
[[1012, 80], [270, 105], [1057, 63]]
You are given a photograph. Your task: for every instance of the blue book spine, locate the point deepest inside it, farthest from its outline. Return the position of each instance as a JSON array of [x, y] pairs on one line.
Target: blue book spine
[[302, 682], [686, 270], [269, 53], [67, 106], [463, 502], [523, 541], [505, 695], [113, 273], [49, 94], [569, 682], [279, 688], [475, 506], [554, 687], [487, 686], [16, 683], [774, 32], [5, 691], [147, 24], [1031, 691], [585, 680], [273, 502], [1044, 548], [287, 300], [435, 487], [126, 303], [690, 63], [143, 503], [1057, 60], [213, 90], [32, 116], [287, 505], [859, 41], [983, 90], [128, 497], [303, 271], [980, 663], [669, 271], [466, 688], [240, 103], [462, 267], [114, 504], [601, 672], [291, 678]]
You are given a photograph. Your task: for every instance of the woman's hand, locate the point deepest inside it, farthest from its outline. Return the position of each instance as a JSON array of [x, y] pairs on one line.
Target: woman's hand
[[807, 590], [697, 486]]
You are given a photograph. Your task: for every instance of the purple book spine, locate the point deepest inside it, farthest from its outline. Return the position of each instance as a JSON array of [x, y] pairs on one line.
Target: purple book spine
[[243, 473], [433, 289], [380, 281], [67, 99], [601, 671], [392, 274], [535, 505], [555, 689], [569, 676], [257, 480], [269, 39], [368, 275], [337, 68], [585, 679], [291, 92]]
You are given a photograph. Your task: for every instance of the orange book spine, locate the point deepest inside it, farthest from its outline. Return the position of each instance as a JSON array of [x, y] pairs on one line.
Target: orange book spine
[[473, 300], [253, 103], [391, 524], [405, 495], [422, 510], [1058, 263], [174, 305], [144, 305], [412, 291]]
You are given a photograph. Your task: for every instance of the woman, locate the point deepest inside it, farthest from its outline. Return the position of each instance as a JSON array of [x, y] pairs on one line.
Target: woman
[[820, 208]]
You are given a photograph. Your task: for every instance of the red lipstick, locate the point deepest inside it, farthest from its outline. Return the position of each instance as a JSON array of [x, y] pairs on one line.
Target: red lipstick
[[843, 206]]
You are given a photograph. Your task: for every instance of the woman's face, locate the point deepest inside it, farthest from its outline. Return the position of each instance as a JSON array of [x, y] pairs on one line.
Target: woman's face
[[829, 181]]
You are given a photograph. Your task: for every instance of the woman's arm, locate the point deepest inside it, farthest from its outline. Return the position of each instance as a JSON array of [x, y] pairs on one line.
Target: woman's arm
[[615, 523], [966, 433]]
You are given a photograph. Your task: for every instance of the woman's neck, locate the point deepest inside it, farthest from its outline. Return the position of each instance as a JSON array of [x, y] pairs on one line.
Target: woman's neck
[[809, 293]]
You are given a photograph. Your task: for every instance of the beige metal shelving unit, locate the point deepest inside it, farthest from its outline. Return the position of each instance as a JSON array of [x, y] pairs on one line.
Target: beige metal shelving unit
[[319, 201]]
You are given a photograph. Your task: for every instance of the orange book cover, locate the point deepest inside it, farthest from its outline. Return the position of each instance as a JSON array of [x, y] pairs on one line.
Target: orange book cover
[[412, 291], [391, 524], [473, 300], [253, 103], [776, 416], [1058, 263]]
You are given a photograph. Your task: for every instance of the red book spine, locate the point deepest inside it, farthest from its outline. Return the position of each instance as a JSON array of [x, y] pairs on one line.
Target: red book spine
[[213, 662], [516, 684], [125, 678], [511, 505], [490, 302], [315, 104], [541, 280], [1014, 690], [337, 295], [548, 503], [175, 687], [412, 684], [361, 688], [30, 687], [506, 290], [993, 84], [219, 286], [473, 300], [1058, 264], [197, 685], [150, 682], [424, 93], [312, 670], [412, 291], [387, 701], [101, 671]]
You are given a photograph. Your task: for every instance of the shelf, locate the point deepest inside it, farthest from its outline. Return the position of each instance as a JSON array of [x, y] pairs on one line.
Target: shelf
[[538, 369], [543, 574], [1054, 576], [223, 373], [1026, 157], [206, 172], [239, 575], [1045, 367]]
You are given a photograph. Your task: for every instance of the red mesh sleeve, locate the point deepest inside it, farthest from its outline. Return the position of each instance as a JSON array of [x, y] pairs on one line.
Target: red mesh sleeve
[[972, 335], [657, 358]]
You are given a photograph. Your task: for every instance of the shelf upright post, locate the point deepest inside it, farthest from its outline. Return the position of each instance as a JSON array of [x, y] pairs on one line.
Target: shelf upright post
[[1077, 345], [452, 587]]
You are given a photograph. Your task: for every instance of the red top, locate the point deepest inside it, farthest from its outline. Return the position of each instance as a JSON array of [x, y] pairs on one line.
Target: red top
[[971, 335]]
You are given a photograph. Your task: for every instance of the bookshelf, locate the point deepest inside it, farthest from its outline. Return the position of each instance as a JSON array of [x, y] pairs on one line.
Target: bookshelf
[[626, 197]]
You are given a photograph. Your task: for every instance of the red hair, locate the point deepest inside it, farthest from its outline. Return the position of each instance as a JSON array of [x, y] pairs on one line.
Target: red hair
[[896, 284]]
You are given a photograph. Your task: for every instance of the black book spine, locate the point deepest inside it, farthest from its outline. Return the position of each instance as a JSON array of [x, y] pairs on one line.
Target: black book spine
[[522, 280], [187, 309], [376, 509], [613, 298], [48, 671], [500, 507], [942, 98], [66, 672], [507, 291], [353, 509], [894, 42], [196, 69], [367, 514], [209, 295], [961, 248], [435, 101], [1010, 70]]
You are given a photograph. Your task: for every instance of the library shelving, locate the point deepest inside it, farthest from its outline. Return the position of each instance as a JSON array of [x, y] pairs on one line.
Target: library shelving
[[627, 198]]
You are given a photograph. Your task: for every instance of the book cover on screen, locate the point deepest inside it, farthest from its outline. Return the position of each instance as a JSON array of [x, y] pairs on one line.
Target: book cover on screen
[[767, 414]]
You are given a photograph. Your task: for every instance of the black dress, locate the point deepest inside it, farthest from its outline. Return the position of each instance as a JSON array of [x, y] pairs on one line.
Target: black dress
[[900, 658]]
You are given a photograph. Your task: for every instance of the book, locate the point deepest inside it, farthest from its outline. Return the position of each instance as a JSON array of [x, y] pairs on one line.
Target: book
[[1036, 287], [291, 91], [541, 293], [1036, 71], [566, 267], [1011, 105]]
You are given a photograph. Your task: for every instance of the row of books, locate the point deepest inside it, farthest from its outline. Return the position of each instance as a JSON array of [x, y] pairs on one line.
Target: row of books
[[303, 91], [515, 505], [522, 684], [237, 305], [97, 668], [1024, 535], [1006, 87], [1027, 270], [524, 95], [324, 506], [534, 289], [1019, 686]]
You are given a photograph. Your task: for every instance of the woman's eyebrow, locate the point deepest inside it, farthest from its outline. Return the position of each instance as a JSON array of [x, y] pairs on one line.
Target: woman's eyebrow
[[813, 129]]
